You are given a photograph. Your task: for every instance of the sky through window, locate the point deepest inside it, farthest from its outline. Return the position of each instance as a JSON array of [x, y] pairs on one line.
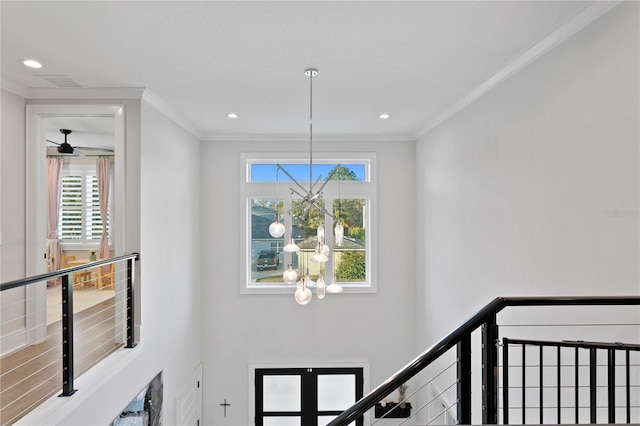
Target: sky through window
[[270, 172]]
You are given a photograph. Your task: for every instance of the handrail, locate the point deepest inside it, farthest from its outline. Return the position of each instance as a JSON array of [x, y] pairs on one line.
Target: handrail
[[55, 274], [443, 345]]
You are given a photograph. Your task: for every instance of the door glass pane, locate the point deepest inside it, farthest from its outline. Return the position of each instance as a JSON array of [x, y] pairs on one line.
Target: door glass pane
[[336, 391], [281, 393], [281, 421], [324, 420]]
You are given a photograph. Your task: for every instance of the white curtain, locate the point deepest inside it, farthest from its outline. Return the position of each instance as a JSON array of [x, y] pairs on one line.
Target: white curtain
[[54, 185], [103, 170]]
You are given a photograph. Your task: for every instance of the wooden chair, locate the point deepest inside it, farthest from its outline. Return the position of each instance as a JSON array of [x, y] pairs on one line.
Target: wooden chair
[[106, 276], [81, 278]]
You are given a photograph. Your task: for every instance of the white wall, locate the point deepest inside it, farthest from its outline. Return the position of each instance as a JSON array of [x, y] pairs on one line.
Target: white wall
[[12, 214], [517, 193], [170, 264], [244, 329]]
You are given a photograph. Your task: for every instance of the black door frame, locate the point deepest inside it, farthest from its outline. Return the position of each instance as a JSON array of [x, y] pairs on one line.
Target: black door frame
[[309, 412]]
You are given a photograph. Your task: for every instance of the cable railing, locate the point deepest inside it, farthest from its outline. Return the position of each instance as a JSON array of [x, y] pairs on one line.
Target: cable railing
[[69, 327], [442, 379], [547, 381]]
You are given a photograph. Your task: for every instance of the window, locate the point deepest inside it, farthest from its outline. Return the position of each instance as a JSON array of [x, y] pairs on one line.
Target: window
[[79, 223], [305, 396], [268, 194]]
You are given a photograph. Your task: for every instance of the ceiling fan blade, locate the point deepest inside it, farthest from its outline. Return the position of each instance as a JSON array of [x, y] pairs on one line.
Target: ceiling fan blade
[[66, 149], [91, 148]]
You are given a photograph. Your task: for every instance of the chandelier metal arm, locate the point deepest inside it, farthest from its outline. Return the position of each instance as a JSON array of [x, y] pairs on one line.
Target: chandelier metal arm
[[293, 179], [333, 172], [314, 184]]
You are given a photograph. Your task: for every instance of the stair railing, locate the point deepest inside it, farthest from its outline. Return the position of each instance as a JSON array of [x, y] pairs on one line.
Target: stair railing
[[67, 320], [486, 320]]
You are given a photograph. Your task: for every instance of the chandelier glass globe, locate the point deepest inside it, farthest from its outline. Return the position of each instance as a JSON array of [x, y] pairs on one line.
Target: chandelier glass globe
[[320, 287], [276, 229], [290, 275], [292, 247], [320, 234], [338, 232], [319, 256], [303, 294], [334, 287]]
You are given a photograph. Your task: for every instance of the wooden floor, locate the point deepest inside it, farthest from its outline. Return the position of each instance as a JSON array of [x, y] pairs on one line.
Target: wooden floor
[[33, 374]]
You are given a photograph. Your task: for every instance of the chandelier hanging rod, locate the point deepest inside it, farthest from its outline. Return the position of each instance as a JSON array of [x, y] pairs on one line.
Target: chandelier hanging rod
[[311, 198]]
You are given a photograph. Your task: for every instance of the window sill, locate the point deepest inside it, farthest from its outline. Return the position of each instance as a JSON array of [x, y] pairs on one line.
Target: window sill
[[291, 288]]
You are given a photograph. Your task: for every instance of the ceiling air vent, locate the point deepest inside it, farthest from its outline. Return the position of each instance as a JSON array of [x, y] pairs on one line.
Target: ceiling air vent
[[64, 81]]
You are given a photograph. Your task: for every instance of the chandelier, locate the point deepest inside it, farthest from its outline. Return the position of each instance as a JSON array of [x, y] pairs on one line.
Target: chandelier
[[310, 199]]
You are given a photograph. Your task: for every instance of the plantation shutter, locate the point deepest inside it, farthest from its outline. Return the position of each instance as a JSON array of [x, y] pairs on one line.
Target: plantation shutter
[[70, 227], [93, 220], [79, 220]]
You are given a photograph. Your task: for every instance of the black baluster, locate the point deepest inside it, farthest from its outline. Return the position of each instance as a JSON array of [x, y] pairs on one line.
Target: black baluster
[[67, 337], [130, 305], [464, 380], [611, 384], [559, 387], [505, 381], [524, 379], [592, 384], [541, 383]]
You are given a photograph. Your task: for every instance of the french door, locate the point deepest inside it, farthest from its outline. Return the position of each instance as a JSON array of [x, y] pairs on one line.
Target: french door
[[305, 396]]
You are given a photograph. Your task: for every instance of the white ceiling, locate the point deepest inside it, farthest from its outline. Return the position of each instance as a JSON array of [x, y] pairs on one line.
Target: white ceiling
[[417, 60]]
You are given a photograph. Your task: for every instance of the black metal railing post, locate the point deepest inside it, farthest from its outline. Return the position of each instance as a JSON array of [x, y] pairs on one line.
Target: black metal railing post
[[593, 385], [627, 370], [67, 337], [524, 383], [541, 384], [611, 388], [576, 386], [559, 384], [490, 370], [130, 306], [505, 381], [464, 380]]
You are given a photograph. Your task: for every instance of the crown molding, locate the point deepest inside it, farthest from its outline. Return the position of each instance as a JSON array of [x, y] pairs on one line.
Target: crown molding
[[119, 93], [305, 138], [14, 88], [86, 93], [157, 102], [587, 16]]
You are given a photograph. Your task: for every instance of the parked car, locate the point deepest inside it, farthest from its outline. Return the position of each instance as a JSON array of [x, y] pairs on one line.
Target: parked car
[[267, 260]]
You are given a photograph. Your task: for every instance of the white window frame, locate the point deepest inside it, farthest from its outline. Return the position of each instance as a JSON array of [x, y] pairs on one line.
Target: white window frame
[[366, 189], [84, 170]]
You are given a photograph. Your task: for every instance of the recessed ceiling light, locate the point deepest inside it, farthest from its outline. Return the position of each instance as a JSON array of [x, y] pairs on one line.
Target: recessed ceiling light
[[384, 116], [31, 63], [232, 115]]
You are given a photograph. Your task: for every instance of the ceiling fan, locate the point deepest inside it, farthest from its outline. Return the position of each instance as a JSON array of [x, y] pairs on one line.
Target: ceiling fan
[[65, 149]]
